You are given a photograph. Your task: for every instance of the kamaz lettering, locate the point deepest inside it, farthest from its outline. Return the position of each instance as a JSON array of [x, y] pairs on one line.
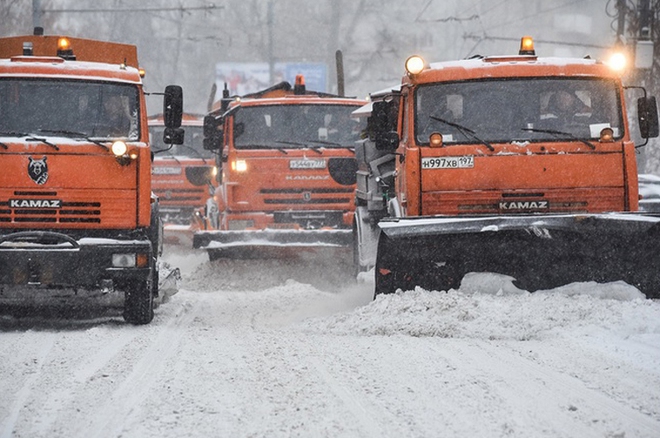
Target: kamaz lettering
[[307, 177], [35, 203], [524, 205]]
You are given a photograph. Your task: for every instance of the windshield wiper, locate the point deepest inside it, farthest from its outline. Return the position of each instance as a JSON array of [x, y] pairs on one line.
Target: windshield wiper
[[192, 149], [316, 149], [43, 140], [555, 132], [28, 137], [169, 150], [330, 143], [81, 135], [13, 134], [465, 131]]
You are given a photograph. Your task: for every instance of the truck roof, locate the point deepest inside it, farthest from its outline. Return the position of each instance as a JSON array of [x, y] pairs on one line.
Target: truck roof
[[510, 66], [26, 66], [297, 100], [84, 49], [94, 60]]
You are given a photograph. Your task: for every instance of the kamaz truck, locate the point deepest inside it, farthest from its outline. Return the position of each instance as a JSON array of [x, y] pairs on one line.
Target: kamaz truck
[[517, 164], [77, 214], [287, 169]]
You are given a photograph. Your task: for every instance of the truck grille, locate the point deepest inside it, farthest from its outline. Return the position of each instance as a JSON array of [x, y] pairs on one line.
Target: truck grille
[[310, 219], [175, 197], [307, 196], [68, 213]]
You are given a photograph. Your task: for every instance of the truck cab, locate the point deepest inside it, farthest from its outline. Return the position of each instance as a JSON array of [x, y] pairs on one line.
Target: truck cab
[[287, 170], [466, 159], [77, 213]]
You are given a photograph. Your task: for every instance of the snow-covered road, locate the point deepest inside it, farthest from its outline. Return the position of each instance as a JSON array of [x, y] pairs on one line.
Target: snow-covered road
[[296, 349]]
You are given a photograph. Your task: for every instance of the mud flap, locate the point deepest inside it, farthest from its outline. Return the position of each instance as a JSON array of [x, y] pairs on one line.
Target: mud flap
[[540, 252]]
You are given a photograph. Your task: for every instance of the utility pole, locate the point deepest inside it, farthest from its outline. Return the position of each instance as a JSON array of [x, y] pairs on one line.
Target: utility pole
[[621, 22], [271, 56], [36, 13]]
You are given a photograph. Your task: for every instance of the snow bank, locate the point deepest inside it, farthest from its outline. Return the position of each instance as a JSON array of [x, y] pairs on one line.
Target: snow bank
[[489, 307]]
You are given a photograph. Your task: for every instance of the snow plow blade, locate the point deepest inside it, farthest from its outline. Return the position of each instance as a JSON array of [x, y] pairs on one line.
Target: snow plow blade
[[539, 251], [278, 242], [169, 279]]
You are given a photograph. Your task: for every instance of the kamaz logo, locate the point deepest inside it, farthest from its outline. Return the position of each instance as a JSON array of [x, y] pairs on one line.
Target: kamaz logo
[[35, 203], [307, 177], [524, 205]]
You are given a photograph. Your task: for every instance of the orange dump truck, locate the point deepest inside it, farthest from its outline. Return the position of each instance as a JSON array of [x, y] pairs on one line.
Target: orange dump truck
[[287, 160], [77, 215], [518, 165], [183, 176]]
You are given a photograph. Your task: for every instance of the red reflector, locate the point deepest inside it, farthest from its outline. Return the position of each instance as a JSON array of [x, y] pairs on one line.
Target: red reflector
[[384, 271]]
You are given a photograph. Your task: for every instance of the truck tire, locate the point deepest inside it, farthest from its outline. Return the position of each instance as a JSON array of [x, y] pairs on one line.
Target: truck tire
[[138, 302]]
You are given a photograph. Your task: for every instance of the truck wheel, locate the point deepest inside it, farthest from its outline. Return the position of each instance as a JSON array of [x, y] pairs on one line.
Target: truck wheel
[[138, 302]]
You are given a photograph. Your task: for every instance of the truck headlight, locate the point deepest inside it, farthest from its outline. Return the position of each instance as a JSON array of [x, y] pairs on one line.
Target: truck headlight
[[239, 166], [119, 148], [123, 260], [415, 65]]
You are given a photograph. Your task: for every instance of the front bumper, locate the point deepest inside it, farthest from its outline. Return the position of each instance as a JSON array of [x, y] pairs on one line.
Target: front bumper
[[274, 237], [53, 260]]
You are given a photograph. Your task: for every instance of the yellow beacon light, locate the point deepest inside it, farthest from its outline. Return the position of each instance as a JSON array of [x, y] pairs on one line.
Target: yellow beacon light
[[64, 49], [415, 65], [63, 44], [527, 46]]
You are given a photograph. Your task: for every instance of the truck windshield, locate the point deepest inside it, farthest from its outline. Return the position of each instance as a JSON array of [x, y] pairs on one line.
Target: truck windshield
[[521, 109], [192, 147], [65, 108], [296, 126]]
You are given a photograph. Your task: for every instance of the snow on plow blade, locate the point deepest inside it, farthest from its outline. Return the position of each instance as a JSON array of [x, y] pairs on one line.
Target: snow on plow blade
[[539, 251], [169, 279], [238, 242]]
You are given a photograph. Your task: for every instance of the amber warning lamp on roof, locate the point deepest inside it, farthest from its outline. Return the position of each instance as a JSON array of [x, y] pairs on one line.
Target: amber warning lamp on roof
[[527, 46], [64, 49], [299, 87]]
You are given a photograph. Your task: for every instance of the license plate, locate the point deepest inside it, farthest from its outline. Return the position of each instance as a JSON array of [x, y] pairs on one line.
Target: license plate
[[307, 164], [466, 161], [157, 170]]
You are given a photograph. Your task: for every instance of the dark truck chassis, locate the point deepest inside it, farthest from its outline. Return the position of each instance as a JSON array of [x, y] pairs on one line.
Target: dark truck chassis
[[46, 260]]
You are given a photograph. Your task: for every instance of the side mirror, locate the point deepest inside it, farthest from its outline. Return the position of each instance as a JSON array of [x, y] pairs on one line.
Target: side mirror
[[212, 125], [647, 113], [173, 106], [213, 143], [383, 118], [387, 141], [213, 134], [173, 135]]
